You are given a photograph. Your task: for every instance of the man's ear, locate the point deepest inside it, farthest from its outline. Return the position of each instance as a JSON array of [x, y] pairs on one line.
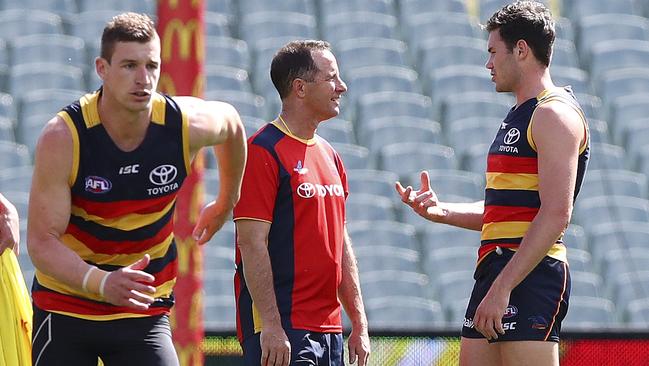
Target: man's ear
[[521, 49], [101, 66], [299, 87]]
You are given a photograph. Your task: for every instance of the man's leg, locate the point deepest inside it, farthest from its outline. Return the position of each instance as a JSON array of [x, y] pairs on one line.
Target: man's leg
[[479, 352], [533, 353]]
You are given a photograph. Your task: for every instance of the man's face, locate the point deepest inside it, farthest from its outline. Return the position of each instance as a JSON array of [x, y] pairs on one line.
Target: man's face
[[132, 74], [324, 92], [501, 63]]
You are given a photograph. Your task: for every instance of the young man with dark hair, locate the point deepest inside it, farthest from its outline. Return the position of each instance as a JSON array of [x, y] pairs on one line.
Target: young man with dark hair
[[107, 171], [535, 167], [295, 264]]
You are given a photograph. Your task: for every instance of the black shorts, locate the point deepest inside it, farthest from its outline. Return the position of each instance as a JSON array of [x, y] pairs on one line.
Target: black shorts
[[536, 306], [307, 348], [65, 340]]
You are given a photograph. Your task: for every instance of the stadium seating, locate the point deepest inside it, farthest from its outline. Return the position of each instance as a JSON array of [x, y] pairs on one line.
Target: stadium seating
[[13, 155], [629, 286], [408, 8], [638, 313], [19, 22], [257, 26], [624, 260], [226, 7], [453, 286], [337, 130], [437, 262], [336, 8], [476, 104], [429, 25], [575, 237], [385, 233], [141, 6], [575, 77], [452, 182], [354, 156], [606, 156], [366, 206], [564, 54], [587, 312], [453, 81], [358, 24], [6, 130], [369, 79], [580, 9], [220, 77], [436, 53], [437, 236], [585, 284], [371, 181], [465, 133], [219, 312], [246, 102], [227, 51], [405, 158], [385, 104], [614, 182], [617, 54], [370, 51], [377, 133], [579, 260], [377, 284], [404, 313], [217, 25], [16, 172], [372, 257], [600, 27], [296, 6]]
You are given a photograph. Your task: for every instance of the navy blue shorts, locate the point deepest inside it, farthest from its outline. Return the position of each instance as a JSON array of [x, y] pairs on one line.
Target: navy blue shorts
[[536, 306], [60, 340], [307, 348]]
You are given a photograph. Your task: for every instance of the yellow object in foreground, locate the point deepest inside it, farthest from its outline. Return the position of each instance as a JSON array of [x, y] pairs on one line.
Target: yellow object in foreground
[[15, 314]]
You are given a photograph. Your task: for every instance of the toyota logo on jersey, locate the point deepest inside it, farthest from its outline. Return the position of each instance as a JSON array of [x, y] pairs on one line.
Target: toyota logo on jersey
[[512, 136], [310, 190], [163, 174]]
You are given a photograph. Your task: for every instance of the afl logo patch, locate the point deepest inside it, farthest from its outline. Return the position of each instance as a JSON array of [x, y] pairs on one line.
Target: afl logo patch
[[163, 174], [512, 136], [511, 311], [306, 190], [95, 184]]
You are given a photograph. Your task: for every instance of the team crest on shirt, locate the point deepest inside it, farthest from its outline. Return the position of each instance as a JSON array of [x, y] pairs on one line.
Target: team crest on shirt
[[95, 184], [300, 169]]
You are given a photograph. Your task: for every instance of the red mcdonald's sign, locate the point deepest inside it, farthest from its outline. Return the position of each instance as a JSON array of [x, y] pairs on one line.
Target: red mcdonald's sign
[[180, 26]]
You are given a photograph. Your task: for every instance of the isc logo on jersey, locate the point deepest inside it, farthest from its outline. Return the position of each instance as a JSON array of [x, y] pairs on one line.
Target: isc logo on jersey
[[310, 190]]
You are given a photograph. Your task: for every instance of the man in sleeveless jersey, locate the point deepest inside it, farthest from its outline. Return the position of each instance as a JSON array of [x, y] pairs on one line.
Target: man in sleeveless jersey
[[107, 171], [535, 167], [15, 304], [295, 264]]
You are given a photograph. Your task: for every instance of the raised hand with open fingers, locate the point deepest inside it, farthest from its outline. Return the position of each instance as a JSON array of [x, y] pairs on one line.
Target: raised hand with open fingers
[[423, 201]]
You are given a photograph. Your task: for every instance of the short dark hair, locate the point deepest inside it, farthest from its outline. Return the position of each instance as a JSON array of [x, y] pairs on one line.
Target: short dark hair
[[294, 60], [126, 27], [527, 20]]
